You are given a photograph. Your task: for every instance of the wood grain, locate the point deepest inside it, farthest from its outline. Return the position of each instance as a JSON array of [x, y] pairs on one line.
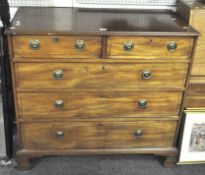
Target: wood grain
[[196, 89], [199, 61], [97, 135], [56, 47], [99, 104], [194, 13], [150, 47], [96, 76], [195, 96], [197, 80], [195, 102]]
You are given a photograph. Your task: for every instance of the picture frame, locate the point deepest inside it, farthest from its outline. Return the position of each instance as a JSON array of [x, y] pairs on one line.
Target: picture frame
[[193, 138]]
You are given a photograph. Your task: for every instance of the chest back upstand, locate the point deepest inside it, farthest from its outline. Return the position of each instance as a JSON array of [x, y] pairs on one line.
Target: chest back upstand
[[98, 81]]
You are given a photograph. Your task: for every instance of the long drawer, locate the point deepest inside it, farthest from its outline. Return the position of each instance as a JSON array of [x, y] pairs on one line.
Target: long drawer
[[56, 46], [97, 135], [82, 76], [150, 47], [99, 104]]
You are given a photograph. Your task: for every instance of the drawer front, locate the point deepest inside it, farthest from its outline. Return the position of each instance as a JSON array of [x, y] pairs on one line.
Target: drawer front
[[195, 102], [195, 96], [150, 47], [97, 135], [99, 104], [56, 46], [196, 90], [83, 76]]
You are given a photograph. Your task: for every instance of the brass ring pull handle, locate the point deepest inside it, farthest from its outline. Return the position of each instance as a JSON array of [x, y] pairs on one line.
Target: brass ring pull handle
[[146, 74], [59, 134], [138, 133], [142, 103], [35, 45], [80, 45], [128, 46], [172, 46], [59, 104], [58, 74]]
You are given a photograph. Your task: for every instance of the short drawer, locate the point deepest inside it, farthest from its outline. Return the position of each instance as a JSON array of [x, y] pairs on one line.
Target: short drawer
[[56, 46], [99, 104], [83, 76], [150, 47], [97, 135]]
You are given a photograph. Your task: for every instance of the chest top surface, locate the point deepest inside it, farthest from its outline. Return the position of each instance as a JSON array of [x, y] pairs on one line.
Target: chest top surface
[[44, 20]]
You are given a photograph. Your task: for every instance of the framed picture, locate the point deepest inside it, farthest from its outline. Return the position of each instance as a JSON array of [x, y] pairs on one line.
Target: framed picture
[[193, 139]]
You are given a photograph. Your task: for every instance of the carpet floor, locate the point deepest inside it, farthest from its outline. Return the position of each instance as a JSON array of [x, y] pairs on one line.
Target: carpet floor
[[104, 165]]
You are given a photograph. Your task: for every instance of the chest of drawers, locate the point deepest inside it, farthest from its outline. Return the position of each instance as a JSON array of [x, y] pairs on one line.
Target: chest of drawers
[[108, 83]]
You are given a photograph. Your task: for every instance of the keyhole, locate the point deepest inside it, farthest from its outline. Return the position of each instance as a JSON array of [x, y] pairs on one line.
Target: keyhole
[[56, 39], [86, 69]]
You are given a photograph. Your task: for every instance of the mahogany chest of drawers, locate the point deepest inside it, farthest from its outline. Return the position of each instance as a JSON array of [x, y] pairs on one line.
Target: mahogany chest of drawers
[[99, 82]]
